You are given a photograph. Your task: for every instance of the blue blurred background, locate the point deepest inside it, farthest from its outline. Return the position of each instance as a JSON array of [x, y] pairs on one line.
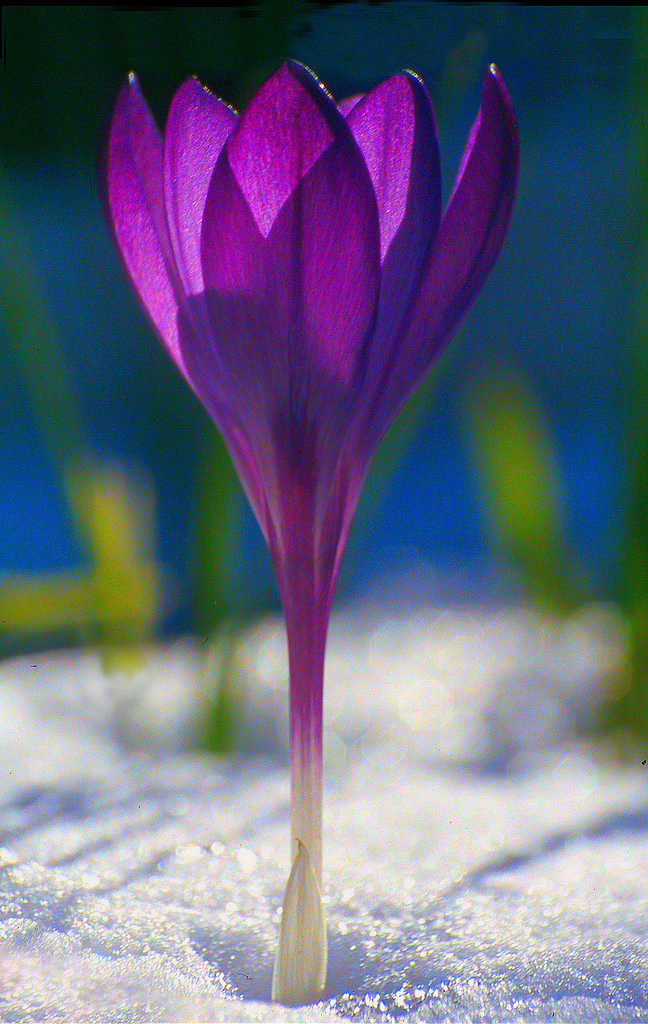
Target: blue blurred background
[[120, 516]]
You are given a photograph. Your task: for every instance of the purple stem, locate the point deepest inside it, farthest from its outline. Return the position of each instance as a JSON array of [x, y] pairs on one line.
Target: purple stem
[[306, 610]]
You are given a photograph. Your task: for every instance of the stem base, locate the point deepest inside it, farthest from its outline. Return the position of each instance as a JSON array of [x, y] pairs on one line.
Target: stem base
[[299, 975]]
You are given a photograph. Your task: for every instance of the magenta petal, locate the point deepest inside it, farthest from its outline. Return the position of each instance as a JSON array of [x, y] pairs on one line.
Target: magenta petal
[[475, 223], [293, 295], [281, 134], [130, 179], [395, 131], [197, 127], [394, 128], [467, 244]]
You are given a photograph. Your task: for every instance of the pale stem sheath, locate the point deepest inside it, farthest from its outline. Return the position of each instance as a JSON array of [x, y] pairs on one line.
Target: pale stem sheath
[[299, 975]]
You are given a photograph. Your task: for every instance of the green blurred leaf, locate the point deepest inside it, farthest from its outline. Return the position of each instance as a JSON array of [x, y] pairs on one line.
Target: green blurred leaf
[[462, 65], [116, 601], [630, 711], [36, 350], [216, 728], [217, 534], [520, 486]]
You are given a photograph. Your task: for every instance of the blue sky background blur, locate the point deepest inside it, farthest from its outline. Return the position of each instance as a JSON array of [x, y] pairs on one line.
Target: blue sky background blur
[[553, 317]]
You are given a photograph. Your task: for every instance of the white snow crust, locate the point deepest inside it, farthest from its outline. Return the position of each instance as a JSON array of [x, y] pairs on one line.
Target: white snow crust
[[480, 864]]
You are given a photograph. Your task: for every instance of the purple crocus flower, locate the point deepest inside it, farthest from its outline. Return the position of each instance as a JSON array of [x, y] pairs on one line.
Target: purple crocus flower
[[295, 264]]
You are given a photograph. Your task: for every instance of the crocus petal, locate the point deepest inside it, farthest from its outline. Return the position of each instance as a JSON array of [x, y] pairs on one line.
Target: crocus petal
[[292, 278], [467, 244], [131, 187], [130, 179], [283, 132], [197, 127], [395, 131], [394, 128]]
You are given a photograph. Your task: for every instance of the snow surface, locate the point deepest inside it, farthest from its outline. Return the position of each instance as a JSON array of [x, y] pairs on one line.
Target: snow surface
[[479, 863]]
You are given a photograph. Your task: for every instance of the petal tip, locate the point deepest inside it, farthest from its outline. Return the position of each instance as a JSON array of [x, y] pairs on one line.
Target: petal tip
[[408, 73], [493, 79], [188, 91], [130, 87], [495, 96], [306, 77], [296, 67], [192, 84]]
